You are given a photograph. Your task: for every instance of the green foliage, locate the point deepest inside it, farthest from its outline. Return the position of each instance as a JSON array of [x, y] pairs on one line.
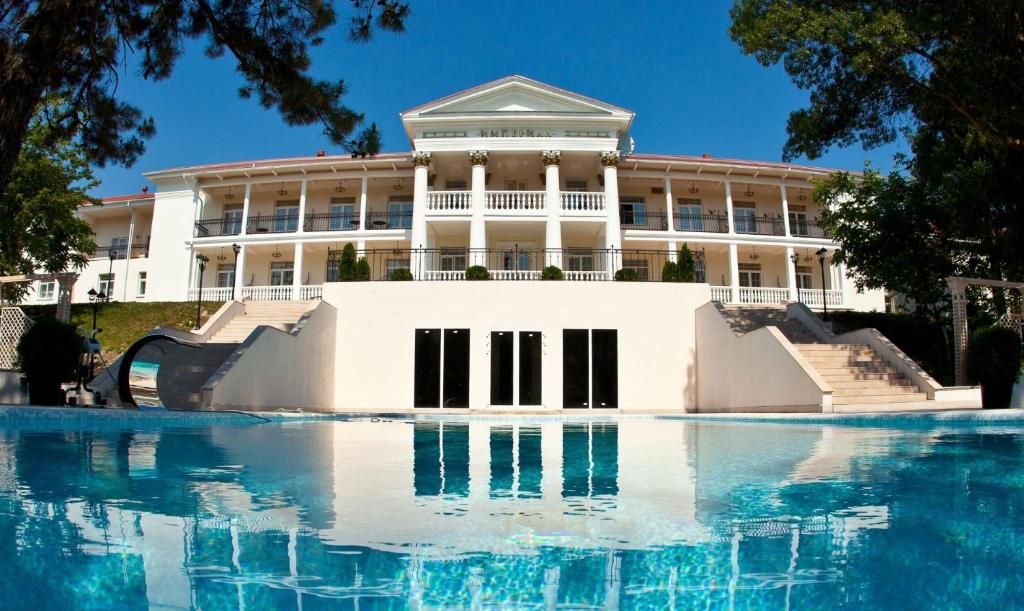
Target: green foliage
[[48, 354], [40, 228], [687, 265], [347, 264], [400, 274], [994, 361], [477, 272], [670, 272], [552, 272], [927, 341], [362, 270], [627, 274], [76, 51]]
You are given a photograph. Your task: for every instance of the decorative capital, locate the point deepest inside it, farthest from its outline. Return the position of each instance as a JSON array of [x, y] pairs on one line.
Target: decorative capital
[[421, 159], [478, 158], [551, 157], [609, 158]]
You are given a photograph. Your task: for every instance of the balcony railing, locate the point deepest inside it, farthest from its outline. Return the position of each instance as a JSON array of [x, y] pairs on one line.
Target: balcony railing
[[807, 229], [321, 221], [272, 223], [210, 293], [449, 202], [218, 227], [765, 224], [514, 202], [710, 222], [653, 221], [813, 298], [139, 251], [582, 203], [776, 296]]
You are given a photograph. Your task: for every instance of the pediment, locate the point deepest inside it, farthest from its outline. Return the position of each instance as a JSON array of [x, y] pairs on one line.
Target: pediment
[[513, 95]]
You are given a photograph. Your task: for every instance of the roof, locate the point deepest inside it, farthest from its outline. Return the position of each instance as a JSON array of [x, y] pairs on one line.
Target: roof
[[121, 199], [280, 161], [727, 161]]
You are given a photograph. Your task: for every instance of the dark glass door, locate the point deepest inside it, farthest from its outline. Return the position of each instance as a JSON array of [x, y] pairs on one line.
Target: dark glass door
[[575, 368], [605, 363], [456, 368], [427, 374], [530, 347], [502, 368]]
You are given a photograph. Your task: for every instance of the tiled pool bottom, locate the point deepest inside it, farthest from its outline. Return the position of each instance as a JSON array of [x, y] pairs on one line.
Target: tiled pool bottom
[[545, 512]]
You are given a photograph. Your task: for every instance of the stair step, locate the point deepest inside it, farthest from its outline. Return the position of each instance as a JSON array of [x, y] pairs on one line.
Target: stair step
[[890, 398], [832, 347], [854, 360], [876, 390], [889, 383], [864, 376]]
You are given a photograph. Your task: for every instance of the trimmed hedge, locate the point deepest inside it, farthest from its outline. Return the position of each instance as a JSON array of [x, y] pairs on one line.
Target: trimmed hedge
[[400, 274], [627, 275], [993, 360], [477, 272], [552, 272], [48, 353]]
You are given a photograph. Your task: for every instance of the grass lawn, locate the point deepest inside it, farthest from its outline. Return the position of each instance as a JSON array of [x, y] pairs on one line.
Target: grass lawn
[[123, 323]]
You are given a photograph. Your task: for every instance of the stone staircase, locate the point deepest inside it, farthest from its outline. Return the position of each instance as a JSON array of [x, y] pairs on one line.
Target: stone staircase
[[278, 314], [744, 319], [858, 376]]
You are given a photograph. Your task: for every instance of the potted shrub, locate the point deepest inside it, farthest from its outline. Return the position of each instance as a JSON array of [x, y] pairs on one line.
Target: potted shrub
[[687, 266], [362, 270], [994, 360], [552, 272], [347, 264], [477, 272], [670, 272], [627, 275], [400, 274], [48, 354]]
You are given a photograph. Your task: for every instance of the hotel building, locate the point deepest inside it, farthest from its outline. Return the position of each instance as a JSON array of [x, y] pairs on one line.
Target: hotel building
[[514, 175]]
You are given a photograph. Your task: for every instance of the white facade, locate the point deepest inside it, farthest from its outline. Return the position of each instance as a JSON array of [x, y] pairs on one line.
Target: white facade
[[513, 175]]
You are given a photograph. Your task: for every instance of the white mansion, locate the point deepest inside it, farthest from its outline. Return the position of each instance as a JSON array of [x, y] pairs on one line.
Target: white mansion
[[513, 175]]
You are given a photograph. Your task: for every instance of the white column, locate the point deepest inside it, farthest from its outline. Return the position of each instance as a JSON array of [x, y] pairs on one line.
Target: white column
[[785, 209], [240, 272], [302, 205], [668, 203], [245, 208], [477, 228], [297, 271], [364, 184], [734, 273], [128, 254], [612, 228], [553, 197], [673, 251], [728, 206], [790, 270], [418, 233]]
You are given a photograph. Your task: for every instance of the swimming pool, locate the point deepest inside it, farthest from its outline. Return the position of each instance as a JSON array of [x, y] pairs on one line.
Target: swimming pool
[[641, 513]]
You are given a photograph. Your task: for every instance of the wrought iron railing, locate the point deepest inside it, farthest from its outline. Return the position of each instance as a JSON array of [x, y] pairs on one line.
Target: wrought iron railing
[[766, 224], [138, 251], [808, 229], [211, 228], [321, 221]]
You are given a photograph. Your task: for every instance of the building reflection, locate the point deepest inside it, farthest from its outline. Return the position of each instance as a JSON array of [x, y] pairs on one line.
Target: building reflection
[[659, 512]]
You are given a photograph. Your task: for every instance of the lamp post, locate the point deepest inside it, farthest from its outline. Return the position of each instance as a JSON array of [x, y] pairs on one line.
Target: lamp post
[[796, 275], [201, 260], [821, 260], [235, 248], [95, 299]]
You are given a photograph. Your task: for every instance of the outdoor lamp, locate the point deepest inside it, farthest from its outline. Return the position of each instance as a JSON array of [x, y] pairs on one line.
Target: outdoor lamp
[[201, 260], [822, 253], [796, 262], [235, 248]]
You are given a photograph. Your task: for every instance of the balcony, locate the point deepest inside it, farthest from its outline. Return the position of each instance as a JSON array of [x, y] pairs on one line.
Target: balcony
[[800, 228], [449, 202], [350, 222], [766, 224], [582, 203], [514, 202], [116, 252]]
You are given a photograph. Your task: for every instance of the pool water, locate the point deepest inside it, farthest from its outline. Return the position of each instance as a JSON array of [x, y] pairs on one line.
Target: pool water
[[642, 514]]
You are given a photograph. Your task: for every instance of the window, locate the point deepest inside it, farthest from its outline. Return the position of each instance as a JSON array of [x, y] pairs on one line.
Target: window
[[140, 286], [453, 260], [576, 184], [225, 275], [750, 274], [107, 284], [441, 371], [342, 214], [286, 217], [512, 185], [798, 220], [689, 215], [590, 368], [119, 248], [640, 266], [633, 210], [579, 260], [700, 269], [455, 184], [399, 213], [803, 277], [745, 217], [232, 220], [281, 273], [46, 290]]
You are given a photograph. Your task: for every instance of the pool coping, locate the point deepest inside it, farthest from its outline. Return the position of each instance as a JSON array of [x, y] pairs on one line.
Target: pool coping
[[15, 413]]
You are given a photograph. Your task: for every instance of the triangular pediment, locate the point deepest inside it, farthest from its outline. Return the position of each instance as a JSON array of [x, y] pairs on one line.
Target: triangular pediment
[[516, 94]]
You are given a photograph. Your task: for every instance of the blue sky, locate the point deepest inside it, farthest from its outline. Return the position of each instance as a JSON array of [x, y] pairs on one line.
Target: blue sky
[[671, 63]]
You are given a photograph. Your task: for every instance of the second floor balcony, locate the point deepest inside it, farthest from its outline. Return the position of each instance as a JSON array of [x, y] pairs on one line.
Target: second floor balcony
[[516, 203], [718, 222], [313, 222]]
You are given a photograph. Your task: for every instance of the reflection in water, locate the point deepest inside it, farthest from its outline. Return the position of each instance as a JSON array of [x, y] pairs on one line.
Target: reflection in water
[[650, 514]]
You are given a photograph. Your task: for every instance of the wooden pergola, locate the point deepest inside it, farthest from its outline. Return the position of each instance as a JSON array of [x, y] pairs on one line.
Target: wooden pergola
[[958, 293]]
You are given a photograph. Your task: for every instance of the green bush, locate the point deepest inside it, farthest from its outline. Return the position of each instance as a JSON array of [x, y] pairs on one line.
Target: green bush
[[627, 274], [552, 272], [687, 265], [993, 360], [362, 270], [400, 274], [48, 354], [477, 272], [670, 272], [347, 264]]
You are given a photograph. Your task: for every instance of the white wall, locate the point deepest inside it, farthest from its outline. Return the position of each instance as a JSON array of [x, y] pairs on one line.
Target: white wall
[[170, 257], [377, 323]]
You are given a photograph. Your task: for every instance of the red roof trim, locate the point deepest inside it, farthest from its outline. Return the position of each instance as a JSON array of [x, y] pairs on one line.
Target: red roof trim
[[262, 163], [730, 161]]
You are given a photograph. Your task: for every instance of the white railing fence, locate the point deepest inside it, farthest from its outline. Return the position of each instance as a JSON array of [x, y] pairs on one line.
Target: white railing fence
[[212, 293], [812, 298], [721, 294], [582, 202], [267, 293], [763, 295], [511, 274], [311, 291], [449, 202], [13, 324], [514, 201], [444, 275], [584, 276]]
